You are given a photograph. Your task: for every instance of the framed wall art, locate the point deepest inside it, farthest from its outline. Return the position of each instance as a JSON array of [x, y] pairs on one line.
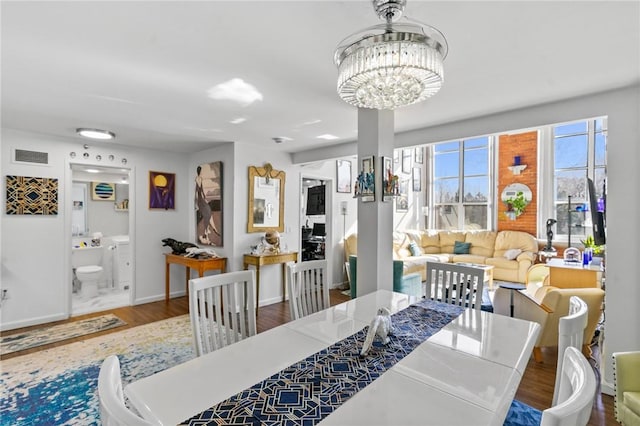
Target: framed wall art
[[365, 187], [103, 191], [419, 153], [162, 187], [402, 200], [343, 171], [416, 175], [208, 197], [389, 179], [32, 195], [406, 160]]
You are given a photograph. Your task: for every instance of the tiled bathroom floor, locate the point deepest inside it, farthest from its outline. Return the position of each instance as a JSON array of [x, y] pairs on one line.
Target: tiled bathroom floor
[[106, 299]]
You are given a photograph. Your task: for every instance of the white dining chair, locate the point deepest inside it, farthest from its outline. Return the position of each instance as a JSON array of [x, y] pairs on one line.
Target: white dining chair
[[570, 334], [455, 284], [576, 392], [113, 411], [308, 287], [222, 309]]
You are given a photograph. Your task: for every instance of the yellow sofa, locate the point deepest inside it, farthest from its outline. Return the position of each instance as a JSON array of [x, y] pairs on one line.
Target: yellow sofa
[[487, 247], [546, 304]]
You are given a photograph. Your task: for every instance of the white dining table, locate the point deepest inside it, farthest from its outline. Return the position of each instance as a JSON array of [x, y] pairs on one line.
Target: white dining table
[[466, 373]]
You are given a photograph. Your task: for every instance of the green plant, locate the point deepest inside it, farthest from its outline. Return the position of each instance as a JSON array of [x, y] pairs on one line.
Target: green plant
[[589, 242], [516, 204]]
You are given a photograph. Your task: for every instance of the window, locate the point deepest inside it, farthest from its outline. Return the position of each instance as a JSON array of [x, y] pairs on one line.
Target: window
[[579, 152], [460, 189]]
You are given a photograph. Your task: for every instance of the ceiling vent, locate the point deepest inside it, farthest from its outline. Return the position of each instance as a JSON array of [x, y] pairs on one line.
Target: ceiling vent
[[31, 157]]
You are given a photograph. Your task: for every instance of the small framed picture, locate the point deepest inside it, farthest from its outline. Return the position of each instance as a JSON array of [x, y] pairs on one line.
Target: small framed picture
[[343, 171], [162, 190], [406, 160], [416, 175], [365, 187], [419, 152], [389, 180], [103, 191], [402, 200]]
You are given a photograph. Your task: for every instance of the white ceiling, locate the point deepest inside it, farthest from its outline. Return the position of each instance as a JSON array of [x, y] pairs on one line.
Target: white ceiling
[[142, 69]]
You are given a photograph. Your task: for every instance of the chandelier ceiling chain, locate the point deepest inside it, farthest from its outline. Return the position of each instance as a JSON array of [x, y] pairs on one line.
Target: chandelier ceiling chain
[[391, 65]]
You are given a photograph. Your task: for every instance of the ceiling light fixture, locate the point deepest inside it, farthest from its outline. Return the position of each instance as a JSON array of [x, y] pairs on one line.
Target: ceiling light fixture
[[95, 133], [393, 64]]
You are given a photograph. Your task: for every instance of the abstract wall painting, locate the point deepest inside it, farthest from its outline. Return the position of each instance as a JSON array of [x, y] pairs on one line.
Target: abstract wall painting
[[162, 190], [208, 198], [103, 191], [32, 195]]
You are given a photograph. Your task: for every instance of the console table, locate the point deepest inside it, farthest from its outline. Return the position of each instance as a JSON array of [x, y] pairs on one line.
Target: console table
[[258, 260], [212, 263]]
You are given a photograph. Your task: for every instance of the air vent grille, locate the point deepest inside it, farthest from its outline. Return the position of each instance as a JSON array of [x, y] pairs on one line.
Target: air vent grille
[[24, 156]]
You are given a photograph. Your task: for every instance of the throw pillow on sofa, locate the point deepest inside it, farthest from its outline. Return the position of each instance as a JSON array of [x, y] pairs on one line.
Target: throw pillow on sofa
[[415, 249], [512, 254], [461, 248]]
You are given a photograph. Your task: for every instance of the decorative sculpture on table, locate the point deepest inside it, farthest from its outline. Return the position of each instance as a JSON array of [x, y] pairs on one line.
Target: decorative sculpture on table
[[380, 326], [201, 253], [549, 247], [177, 247], [272, 242]]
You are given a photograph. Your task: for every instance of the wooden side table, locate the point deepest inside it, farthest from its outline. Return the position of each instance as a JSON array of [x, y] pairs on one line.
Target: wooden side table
[[259, 260], [201, 265], [563, 275]]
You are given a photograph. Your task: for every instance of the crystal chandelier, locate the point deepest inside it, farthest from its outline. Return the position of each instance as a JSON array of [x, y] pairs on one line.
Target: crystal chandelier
[[393, 64]]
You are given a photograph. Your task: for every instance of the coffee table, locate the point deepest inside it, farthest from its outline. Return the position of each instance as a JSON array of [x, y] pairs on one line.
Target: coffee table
[[488, 272]]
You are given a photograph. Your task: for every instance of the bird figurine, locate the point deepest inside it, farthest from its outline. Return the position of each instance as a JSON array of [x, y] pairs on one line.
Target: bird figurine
[[380, 326]]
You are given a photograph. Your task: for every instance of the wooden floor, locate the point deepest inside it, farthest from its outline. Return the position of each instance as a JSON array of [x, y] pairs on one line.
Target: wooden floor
[[536, 387]]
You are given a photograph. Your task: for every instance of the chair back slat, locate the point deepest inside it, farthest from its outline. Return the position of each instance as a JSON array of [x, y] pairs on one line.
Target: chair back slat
[[222, 309], [570, 334], [455, 284], [308, 287]]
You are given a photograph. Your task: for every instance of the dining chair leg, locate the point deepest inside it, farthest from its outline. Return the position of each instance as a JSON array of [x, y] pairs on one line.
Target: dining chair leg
[[537, 354]]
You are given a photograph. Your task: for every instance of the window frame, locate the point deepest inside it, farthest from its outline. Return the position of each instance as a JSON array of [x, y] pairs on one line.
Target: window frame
[[460, 204]]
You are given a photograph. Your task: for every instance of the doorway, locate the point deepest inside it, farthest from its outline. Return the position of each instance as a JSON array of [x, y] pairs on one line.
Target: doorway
[[101, 260]]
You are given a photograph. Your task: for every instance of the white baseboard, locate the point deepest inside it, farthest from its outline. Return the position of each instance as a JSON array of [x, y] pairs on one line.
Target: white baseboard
[[158, 297], [32, 321]]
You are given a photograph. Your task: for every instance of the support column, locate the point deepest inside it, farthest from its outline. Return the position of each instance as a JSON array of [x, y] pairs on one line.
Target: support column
[[375, 219]]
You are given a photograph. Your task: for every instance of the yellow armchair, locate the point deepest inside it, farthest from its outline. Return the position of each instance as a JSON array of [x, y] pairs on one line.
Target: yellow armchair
[[545, 305], [626, 371]]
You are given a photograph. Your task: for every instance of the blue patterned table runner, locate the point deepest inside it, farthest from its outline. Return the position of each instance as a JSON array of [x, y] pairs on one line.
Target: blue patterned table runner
[[309, 390]]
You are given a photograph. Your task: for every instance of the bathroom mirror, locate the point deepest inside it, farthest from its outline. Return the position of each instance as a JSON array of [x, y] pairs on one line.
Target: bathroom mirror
[[266, 199]]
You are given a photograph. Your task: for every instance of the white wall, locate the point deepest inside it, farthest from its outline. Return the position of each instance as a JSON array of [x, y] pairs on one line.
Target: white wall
[[36, 250]]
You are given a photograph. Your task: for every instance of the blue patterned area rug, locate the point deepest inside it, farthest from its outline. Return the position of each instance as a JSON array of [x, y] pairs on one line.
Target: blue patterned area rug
[[59, 386], [57, 333]]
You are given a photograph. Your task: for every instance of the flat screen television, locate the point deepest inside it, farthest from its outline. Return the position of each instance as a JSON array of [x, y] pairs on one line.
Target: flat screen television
[[315, 200], [597, 215]]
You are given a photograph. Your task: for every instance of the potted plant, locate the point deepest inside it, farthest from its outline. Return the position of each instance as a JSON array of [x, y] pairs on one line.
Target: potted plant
[[516, 205]]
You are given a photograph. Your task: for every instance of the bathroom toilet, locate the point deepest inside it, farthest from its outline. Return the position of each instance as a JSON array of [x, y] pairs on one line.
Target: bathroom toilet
[[89, 276]]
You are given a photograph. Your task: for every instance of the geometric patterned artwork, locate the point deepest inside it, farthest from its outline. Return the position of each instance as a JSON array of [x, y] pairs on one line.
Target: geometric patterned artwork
[[102, 191], [32, 195], [311, 389]]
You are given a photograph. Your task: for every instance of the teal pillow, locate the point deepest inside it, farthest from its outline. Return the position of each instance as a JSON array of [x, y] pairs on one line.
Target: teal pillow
[[415, 249], [461, 248]]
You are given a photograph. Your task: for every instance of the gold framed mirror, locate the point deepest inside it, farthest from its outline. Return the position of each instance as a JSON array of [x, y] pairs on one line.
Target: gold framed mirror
[[266, 199]]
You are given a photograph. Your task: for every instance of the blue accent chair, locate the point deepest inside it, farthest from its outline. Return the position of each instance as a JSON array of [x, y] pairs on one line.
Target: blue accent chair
[[410, 284]]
